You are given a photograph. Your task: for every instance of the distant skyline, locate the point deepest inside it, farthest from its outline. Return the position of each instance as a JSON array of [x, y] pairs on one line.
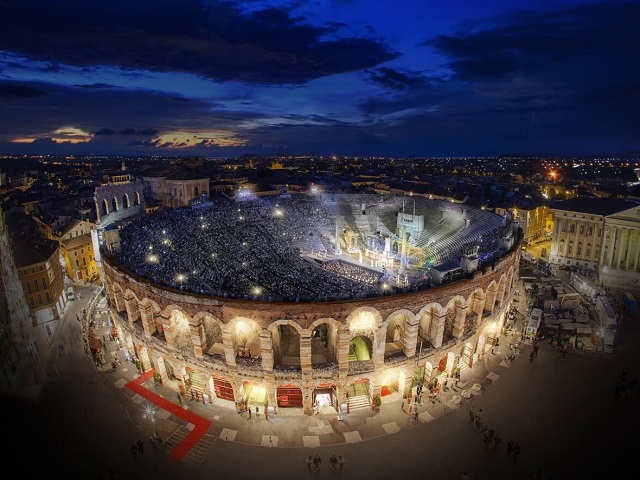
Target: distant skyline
[[339, 77]]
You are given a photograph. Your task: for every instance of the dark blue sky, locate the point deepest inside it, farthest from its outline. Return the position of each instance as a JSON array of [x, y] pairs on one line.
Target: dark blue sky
[[341, 77]]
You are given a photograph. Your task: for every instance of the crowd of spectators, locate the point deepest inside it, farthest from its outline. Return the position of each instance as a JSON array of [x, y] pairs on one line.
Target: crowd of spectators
[[254, 249]]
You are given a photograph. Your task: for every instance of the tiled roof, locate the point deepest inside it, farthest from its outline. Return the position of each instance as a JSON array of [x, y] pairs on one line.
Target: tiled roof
[[594, 206]]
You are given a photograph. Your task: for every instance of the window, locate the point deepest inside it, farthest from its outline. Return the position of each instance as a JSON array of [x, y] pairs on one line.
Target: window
[[561, 247], [588, 249], [36, 287], [47, 296], [579, 249], [28, 286], [84, 262], [77, 263], [39, 299], [570, 249], [43, 280], [581, 229], [572, 228]]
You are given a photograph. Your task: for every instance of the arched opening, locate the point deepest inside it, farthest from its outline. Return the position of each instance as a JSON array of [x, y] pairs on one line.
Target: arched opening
[[360, 349], [325, 398], [286, 346], [222, 388], [114, 204], [105, 207], [322, 345], [125, 201]]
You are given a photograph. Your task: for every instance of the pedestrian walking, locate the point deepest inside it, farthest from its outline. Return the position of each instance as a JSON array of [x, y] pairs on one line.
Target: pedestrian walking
[[564, 351], [509, 447], [532, 355], [496, 441], [249, 410], [340, 463], [140, 447], [316, 462], [402, 406], [516, 450], [309, 462], [134, 450], [334, 463]]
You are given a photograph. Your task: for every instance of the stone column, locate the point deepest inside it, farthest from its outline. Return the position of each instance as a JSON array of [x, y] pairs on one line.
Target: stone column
[[197, 339], [147, 319], [305, 352], [436, 331], [118, 300], [266, 351], [378, 346], [131, 307], [410, 335], [344, 337], [229, 351], [458, 323]]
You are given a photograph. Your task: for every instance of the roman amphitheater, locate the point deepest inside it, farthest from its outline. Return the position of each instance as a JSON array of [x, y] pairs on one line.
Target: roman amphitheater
[[310, 301]]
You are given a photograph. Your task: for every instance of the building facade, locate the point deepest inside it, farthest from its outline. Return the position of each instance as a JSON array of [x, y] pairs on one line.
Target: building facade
[[335, 353], [601, 234]]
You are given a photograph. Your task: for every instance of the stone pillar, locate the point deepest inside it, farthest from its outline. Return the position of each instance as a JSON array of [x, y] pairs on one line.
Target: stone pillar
[[118, 300], [266, 351], [458, 323], [229, 351], [344, 337], [147, 319], [450, 366], [502, 288], [490, 301], [378, 346], [197, 338], [131, 307], [410, 335], [169, 330], [436, 331], [305, 352]]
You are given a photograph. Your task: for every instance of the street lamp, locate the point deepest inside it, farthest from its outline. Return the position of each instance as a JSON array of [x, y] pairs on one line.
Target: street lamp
[[149, 414]]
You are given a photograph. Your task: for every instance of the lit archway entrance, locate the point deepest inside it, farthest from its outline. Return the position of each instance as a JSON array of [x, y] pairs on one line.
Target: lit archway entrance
[[359, 349], [325, 398]]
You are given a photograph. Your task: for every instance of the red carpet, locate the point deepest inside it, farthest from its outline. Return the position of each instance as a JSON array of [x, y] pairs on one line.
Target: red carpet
[[201, 424], [384, 391]]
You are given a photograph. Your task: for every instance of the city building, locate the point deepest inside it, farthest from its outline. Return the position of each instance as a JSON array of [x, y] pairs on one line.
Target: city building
[[598, 234]]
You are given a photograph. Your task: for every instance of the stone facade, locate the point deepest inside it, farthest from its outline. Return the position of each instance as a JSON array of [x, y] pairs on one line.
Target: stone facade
[[311, 346]]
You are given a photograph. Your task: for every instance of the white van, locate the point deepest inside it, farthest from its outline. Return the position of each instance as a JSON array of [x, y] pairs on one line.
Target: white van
[[71, 294]]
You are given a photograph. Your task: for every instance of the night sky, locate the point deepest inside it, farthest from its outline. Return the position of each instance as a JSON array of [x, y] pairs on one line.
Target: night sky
[[336, 77]]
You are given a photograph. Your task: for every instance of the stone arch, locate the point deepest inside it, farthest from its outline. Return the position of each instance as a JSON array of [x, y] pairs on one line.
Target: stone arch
[[212, 333], [363, 322], [105, 208], [396, 327], [114, 204], [491, 296], [324, 341], [245, 335], [178, 330], [285, 341], [125, 201], [136, 198]]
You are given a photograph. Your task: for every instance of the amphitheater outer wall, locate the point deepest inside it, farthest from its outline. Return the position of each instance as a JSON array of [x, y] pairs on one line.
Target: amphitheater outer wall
[[442, 329]]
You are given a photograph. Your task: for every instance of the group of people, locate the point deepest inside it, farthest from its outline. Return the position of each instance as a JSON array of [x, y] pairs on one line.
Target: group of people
[[490, 437], [314, 461], [229, 249]]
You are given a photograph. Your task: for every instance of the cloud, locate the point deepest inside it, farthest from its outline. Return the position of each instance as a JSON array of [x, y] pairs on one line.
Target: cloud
[[212, 39], [395, 79], [20, 91]]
